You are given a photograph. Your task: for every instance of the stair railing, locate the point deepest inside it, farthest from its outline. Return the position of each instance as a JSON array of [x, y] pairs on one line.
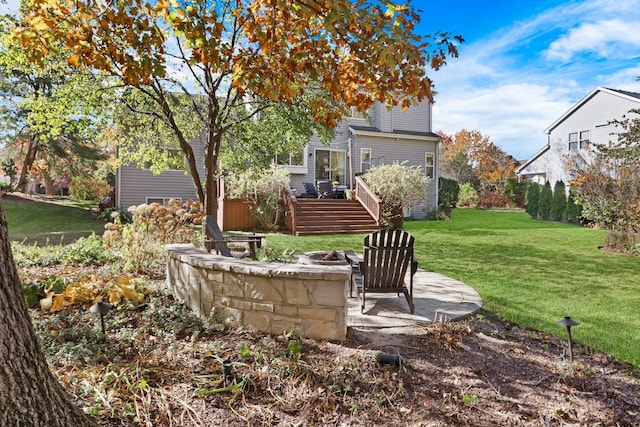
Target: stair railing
[[290, 207], [368, 199]]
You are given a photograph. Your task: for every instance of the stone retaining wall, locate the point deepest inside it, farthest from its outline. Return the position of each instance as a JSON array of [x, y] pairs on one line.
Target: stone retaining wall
[[310, 300]]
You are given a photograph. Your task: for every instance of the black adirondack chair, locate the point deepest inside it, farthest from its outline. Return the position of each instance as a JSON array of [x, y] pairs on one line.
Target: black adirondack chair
[[388, 256]]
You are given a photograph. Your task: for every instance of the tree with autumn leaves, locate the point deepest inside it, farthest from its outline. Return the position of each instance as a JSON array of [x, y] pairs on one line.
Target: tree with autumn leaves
[[238, 58], [470, 157], [233, 59]]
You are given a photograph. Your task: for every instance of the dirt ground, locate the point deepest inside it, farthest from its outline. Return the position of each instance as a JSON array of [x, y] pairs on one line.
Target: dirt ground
[[480, 372], [159, 365]]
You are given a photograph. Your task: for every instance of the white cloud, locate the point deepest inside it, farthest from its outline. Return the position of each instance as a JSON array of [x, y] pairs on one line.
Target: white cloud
[[613, 38], [513, 116], [505, 87]]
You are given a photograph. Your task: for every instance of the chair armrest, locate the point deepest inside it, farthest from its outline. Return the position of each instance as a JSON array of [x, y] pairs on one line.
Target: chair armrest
[[414, 266]]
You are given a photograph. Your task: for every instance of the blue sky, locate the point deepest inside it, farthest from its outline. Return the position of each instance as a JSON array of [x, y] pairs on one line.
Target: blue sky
[[525, 63]]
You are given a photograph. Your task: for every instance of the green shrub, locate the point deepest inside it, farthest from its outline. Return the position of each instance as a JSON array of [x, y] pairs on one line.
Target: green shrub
[[84, 251], [516, 192], [448, 194], [533, 199], [261, 187], [467, 195], [573, 211], [88, 188], [546, 198], [110, 214], [559, 201], [398, 186]]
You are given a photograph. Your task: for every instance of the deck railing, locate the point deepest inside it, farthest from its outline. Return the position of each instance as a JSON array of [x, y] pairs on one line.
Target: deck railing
[[290, 205], [368, 199]]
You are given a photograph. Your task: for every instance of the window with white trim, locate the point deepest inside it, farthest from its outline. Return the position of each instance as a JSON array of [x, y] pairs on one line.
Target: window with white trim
[[164, 201], [293, 159], [353, 113], [429, 165], [578, 140], [365, 159]]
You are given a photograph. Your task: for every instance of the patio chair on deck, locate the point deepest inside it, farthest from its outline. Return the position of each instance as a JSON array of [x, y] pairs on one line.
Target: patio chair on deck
[[310, 191], [388, 256], [325, 190]]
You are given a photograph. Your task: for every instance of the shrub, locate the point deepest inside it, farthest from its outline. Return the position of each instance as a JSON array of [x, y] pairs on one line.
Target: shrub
[[88, 188], [141, 243], [533, 199], [516, 192], [260, 187], [559, 201], [573, 211], [546, 197], [398, 186], [84, 251], [467, 195], [448, 194], [492, 200]]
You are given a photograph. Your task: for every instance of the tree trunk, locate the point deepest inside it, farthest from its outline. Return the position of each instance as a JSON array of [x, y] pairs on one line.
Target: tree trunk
[[29, 158], [48, 184], [29, 393]]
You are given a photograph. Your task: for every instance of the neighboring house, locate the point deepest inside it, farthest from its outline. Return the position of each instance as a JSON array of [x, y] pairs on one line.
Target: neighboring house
[[571, 136], [386, 136]]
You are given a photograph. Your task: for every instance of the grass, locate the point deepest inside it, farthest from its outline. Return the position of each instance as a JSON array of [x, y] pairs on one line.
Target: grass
[[531, 273], [60, 221]]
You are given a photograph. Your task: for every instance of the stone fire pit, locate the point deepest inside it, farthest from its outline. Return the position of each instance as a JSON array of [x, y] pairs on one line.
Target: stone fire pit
[[323, 258]]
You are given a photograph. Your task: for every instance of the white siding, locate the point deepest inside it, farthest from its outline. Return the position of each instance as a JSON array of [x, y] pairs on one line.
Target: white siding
[[592, 114]]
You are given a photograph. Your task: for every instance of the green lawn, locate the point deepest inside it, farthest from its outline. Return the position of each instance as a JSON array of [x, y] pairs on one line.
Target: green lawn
[[529, 272], [50, 222]]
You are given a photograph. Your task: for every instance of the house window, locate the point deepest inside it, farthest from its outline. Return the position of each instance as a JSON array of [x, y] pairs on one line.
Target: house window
[[579, 140], [584, 140], [365, 159], [295, 159], [331, 166], [353, 113], [164, 201], [429, 165]]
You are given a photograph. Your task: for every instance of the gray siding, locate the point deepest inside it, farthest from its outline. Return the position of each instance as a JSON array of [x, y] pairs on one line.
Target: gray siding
[[414, 119], [134, 185]]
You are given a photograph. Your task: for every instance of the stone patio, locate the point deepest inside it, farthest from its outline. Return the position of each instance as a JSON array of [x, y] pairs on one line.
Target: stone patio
[[436, 298]]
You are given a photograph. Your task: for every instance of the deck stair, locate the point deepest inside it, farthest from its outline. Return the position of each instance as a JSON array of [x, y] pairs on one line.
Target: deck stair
[[332, 216]]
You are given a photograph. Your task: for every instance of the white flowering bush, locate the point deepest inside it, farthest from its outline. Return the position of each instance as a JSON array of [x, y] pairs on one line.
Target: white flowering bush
[[140, 244], [261, 188], [398, 186]]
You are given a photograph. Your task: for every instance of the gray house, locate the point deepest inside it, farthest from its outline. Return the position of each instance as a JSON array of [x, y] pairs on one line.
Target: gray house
[[382, 136], [570, 137]]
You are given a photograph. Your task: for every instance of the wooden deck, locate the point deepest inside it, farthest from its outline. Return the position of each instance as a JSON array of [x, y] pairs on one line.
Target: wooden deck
[[331, 216]]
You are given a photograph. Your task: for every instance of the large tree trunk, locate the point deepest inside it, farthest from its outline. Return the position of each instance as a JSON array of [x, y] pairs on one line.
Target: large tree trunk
[[29, 393], [29, 158]]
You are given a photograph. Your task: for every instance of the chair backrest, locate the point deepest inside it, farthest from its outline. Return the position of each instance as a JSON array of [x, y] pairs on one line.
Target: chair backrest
[[388, 253], [325, 188], [385, 267], [389, 237], [310, 189]]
